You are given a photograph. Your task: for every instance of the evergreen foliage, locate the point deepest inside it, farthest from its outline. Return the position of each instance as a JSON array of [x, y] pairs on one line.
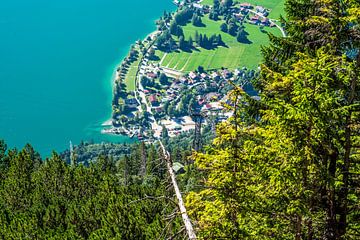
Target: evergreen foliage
[[107, 200], [286, 166]]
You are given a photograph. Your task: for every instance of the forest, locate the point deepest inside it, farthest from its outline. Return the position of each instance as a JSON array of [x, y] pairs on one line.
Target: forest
[[107, 199], [285, 166]]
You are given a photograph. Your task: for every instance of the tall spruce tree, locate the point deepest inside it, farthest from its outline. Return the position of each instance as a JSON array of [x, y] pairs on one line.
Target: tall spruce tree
[[287, 166]]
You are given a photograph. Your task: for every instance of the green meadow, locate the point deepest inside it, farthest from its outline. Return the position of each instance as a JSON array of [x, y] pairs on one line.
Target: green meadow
[[130, 77], [233, 55]]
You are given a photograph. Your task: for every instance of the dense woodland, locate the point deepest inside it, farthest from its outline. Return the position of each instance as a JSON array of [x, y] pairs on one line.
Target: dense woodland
[[285, 166], [105, 200]]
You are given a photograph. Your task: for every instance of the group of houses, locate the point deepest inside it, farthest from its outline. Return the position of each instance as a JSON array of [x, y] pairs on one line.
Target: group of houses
[[207, 86], [258, 15]]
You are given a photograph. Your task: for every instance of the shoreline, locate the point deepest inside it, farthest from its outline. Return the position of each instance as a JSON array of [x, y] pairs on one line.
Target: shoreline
[[114, 77], [107, 127]]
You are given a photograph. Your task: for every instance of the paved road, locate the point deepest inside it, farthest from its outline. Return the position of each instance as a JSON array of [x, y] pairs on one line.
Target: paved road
[[154, 125]]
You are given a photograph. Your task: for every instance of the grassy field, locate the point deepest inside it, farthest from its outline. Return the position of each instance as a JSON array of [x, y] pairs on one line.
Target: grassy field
[[130, 77], [234, 55], [207, 2]]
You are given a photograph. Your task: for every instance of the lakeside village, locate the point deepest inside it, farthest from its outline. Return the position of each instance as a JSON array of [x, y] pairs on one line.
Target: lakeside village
[[152, 101]]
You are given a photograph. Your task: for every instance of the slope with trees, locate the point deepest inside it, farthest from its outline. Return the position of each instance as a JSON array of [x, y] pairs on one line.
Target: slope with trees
[[286, 166]]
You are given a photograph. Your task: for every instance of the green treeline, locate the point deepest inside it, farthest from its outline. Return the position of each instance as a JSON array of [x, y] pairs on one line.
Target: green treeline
[[49, 199], [287, 166]]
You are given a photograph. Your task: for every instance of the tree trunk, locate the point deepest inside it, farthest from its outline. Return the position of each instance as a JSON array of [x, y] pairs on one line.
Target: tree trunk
[[330, 230], [298, 227], [142, 172], [344, 191], [184, 215]]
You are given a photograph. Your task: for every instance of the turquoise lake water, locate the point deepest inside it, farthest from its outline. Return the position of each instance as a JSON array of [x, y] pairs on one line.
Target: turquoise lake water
[[57, 59]]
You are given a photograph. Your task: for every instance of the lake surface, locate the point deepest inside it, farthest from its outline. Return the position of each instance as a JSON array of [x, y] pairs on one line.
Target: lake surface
[[57, 59]]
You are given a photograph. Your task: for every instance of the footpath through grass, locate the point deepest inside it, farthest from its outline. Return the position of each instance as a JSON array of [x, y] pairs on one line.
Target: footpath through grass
[[234, 55]]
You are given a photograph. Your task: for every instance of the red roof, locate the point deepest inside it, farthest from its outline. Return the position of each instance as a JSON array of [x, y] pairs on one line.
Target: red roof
[[152, 98], [245, 5], [152, 75]]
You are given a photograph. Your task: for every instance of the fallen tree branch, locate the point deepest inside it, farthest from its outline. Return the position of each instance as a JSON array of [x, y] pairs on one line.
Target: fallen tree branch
[[188, 226]]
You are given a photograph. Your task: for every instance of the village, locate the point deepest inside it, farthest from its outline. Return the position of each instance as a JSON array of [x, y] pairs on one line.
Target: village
[[165, 100]]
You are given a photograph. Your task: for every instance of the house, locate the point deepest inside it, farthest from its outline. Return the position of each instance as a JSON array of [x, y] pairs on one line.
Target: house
[[226, 74], [176, 87], [215, 76], [254, 18], [265, 21], [183, 80], [140, 137], [131, 103], [203, 76], [146, 91], [260, 9], [211, 96], [193, 75], [239, 16], [206, 9], [216, 106], [151, 75], [201, 101], [153, 99], [213, 85], [200, 88], [237, 72], [198, 6], [172, 97], [208, 106], [246, 5], [244, 10], [159, 109], [178, 168]]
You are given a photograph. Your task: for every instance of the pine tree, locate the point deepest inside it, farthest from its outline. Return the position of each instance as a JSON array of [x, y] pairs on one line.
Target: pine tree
[[224, 27], [197, 37], [283, 167], [174, 28], [190, 42], [241, 35]]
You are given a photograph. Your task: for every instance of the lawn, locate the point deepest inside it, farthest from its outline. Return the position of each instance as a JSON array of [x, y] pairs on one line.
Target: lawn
[[130, 77], [234, 55], [207, 2]]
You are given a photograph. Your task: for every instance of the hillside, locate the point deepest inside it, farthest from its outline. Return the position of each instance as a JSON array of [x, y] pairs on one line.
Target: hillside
[[233, 54], [285, 164], [187, 67]]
